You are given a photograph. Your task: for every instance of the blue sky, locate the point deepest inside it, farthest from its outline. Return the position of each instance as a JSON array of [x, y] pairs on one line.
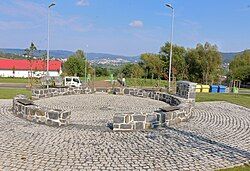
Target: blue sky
[[126, 27]]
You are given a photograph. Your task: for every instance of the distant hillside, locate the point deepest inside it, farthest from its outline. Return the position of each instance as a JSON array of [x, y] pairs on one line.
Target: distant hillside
[[227, 57], [65, 54]]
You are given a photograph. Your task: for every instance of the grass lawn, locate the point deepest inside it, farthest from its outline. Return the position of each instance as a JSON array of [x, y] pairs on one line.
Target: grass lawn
[[245, 167], [13, 80], [10, 93], [240, 99], [146, 82]]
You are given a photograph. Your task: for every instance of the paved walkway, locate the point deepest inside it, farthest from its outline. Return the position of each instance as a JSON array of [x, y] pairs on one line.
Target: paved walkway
[[216, 137]]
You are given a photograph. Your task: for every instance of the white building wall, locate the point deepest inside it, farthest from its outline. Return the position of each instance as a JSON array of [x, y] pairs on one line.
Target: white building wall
[[25, 73]]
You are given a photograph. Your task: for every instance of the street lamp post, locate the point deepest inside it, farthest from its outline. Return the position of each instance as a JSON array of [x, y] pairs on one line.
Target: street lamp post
[[171, 47], [51, 5]]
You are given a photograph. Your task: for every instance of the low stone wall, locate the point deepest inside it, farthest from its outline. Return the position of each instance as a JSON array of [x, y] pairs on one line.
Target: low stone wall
[[53, 92], [180, 110], [24, 108]]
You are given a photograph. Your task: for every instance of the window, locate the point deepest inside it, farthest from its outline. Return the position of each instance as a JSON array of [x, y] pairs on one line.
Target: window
[[75, 80]]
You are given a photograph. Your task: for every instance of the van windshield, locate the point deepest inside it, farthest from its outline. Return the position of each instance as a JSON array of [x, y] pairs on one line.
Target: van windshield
[[68, 79], [75, 80]]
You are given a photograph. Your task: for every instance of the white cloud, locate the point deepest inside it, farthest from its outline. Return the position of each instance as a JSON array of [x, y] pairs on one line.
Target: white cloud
[[136, 24], [82, 3], [31, 15]]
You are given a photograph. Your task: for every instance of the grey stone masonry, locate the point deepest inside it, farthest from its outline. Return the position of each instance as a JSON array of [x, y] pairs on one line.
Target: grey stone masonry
[[24, 108], [53, 92], [181, 108], [186, 89]]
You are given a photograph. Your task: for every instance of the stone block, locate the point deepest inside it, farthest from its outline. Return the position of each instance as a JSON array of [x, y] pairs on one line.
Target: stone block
[[52, 114], [151, 118], [41, 119], [126, 126], [52, 123], [139, 118], [119, 118], [65, 115], [40, 112], [145, 94], [139, 125], [116, 126], [126, 91], [148, 126]]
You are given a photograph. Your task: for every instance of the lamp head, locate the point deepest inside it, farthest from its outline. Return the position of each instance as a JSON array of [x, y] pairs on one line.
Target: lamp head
[[51, 5], [169, 6]]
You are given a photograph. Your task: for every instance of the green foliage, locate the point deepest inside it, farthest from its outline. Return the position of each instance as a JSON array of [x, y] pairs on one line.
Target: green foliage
[[204, 63], [152, 65], [100, 71], [179, 66], [240, 67], [30, 51], [137, 71], [75, 65]]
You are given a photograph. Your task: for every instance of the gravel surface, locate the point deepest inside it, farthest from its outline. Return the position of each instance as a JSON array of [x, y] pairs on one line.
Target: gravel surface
[[216, 137]]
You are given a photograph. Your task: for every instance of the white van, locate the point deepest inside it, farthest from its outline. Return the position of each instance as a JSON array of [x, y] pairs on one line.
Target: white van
[[72, 81]]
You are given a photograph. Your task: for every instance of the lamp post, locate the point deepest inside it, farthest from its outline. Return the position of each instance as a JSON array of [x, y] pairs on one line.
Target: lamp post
[[86, 62], [51, 5], [171, 47]]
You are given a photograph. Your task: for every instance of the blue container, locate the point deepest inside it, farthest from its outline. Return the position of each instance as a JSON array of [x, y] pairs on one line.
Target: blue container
[[222, 89], [213, 88]]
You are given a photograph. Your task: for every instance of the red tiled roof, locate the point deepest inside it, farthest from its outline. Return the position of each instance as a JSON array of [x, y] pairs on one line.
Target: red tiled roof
[[39, 65]]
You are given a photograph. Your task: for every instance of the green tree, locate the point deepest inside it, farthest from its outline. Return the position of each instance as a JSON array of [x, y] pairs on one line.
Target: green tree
[[126, 70], [239, 68], [204, 63], [152, 64], [75, 65], [100, 71], [179, 66], [29, 52], [137, 71]]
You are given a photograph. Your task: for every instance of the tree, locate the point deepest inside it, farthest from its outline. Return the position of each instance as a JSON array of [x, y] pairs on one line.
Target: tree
[[75, 65], [100, 71], [126, 70], [29, 52], [137, 71], [152, 64], [239, 68], [204, 63], [179, 66]]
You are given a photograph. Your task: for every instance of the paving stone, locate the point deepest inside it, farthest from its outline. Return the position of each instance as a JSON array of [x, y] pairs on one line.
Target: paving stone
[[216, 137]]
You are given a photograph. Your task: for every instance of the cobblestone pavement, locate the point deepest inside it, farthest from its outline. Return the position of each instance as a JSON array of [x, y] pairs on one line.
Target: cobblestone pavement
[[216, 137]]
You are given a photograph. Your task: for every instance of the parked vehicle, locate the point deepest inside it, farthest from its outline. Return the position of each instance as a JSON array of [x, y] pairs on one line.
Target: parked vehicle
[[72, 81]]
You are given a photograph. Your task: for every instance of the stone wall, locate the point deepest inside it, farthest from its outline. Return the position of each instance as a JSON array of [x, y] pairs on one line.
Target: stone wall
[[52, 92], [180, 109], [186, 89], [24, 108]]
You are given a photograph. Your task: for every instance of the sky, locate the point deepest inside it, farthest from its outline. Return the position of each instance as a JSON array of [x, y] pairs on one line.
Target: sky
[[124, 27]]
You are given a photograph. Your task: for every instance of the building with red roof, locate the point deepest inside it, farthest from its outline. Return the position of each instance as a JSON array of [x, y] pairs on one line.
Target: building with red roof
[[24, 68]]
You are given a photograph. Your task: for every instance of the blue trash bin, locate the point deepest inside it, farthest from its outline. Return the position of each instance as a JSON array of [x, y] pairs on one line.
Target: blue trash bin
[[222, 89], [213, 88]]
